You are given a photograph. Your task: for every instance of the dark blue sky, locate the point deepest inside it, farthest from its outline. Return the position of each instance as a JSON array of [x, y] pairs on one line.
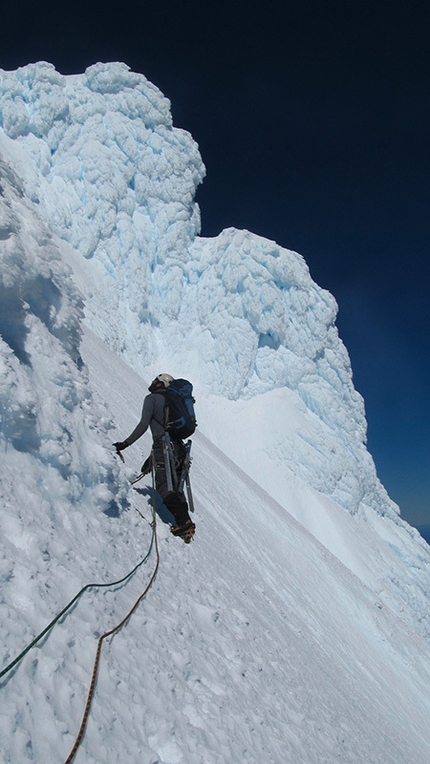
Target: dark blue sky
[[313, 121]]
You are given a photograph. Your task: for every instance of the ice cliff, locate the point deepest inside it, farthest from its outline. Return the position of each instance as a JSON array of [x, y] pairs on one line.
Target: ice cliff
[[110, 175]]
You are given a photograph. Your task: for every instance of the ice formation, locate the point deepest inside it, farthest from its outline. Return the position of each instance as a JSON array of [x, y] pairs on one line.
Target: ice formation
[[305, 600], [241, 315]]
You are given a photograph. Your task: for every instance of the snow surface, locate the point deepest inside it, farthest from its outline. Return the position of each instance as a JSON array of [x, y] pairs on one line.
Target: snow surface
[[295, 627]]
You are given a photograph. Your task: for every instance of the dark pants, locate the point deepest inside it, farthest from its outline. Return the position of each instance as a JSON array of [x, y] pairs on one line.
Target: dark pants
[[175, 501]]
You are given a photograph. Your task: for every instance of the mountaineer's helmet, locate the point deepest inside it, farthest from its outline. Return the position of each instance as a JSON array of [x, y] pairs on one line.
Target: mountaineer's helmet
[[166, 379]]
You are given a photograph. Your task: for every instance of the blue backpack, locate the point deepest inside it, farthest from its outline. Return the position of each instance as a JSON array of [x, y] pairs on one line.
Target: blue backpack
[[181, 419]]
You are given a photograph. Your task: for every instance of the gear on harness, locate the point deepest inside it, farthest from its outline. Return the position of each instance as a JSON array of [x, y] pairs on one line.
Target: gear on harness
[[176, 467]]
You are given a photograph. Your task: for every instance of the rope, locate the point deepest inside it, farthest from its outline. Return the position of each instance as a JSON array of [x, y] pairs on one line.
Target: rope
[[76, 597], [99, 647], [154, 541]]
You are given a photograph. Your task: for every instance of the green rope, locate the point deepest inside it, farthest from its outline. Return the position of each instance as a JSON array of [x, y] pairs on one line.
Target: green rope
[[76, 597]]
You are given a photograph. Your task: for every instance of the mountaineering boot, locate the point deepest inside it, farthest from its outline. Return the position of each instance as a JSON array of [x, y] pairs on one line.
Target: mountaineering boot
[[185, 531], [178, 529]]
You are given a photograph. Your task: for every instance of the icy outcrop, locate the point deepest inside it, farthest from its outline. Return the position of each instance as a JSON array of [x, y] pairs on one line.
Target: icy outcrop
[[47, 409], [112, 177]]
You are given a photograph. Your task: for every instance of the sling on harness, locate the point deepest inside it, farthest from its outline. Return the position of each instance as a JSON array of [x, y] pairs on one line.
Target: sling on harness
[[175, 482]]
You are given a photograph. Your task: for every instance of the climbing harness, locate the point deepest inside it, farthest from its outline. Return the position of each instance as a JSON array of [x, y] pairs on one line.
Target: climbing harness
[[175, 482]]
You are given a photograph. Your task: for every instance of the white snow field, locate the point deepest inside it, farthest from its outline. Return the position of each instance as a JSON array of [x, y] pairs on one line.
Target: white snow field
[[295, 628]]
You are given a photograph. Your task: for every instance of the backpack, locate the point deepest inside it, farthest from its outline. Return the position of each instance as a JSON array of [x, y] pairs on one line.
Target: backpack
[[181, 419]]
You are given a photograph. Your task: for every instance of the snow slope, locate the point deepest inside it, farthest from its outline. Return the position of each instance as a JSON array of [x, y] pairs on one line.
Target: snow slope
[[295, 628], [254, 644]]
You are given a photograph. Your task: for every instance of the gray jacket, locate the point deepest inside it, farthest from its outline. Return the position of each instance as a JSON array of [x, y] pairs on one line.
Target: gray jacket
[[152, 416]]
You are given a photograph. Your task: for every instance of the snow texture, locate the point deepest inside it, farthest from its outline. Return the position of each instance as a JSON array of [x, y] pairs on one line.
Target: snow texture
[[295, 628], [112, 177]]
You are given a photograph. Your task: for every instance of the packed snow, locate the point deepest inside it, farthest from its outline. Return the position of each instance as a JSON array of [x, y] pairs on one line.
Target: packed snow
[[296, 626]]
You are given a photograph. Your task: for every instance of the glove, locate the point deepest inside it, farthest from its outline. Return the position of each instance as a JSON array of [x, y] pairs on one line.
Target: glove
[[120, 445]]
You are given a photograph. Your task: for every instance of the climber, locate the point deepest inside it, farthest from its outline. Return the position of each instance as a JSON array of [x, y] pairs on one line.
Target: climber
[[154, 416]]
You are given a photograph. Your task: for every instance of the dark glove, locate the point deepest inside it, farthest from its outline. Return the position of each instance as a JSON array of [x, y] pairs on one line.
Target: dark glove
[[120, 446]]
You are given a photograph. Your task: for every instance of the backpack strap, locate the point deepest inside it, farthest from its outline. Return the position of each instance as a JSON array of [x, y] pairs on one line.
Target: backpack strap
[[165, 411]]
